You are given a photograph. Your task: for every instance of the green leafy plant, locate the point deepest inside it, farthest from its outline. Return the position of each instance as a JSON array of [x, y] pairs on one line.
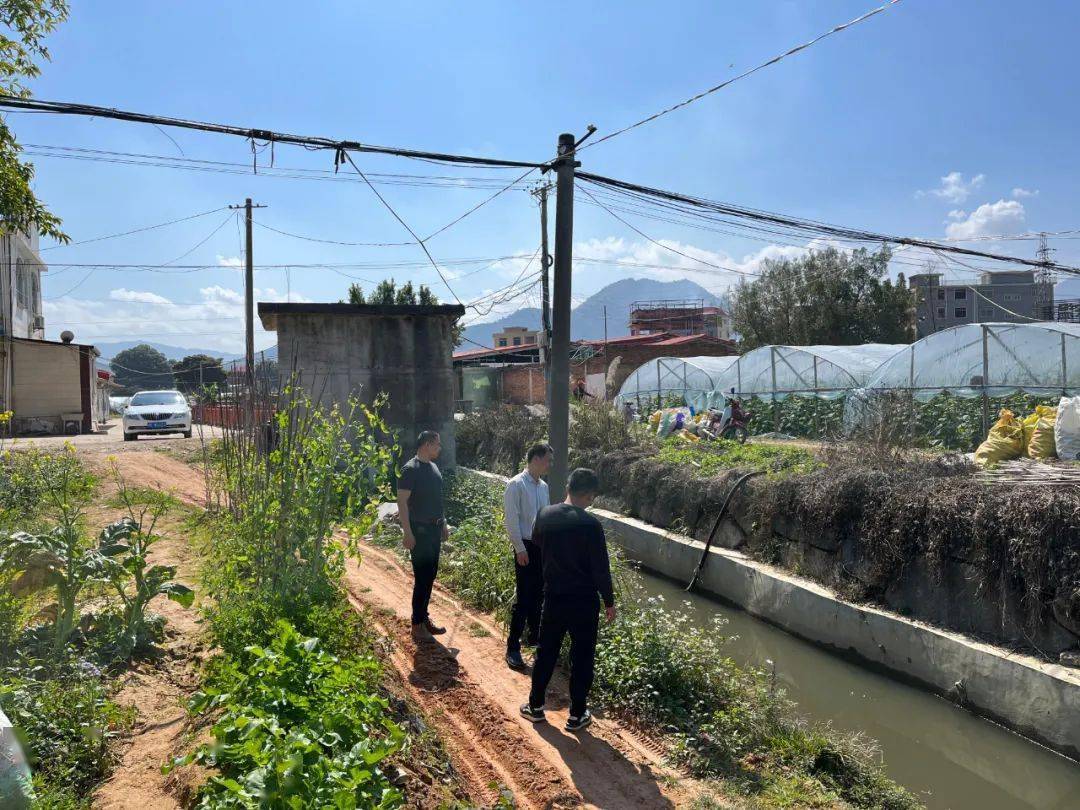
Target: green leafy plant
[[708, 459], [298, 727]]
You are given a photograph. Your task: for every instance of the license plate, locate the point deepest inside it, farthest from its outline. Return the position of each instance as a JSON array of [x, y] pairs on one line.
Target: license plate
[[153, 425]]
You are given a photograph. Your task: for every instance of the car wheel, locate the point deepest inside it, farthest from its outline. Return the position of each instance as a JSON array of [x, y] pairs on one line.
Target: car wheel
[[129, 437], [187, 434]]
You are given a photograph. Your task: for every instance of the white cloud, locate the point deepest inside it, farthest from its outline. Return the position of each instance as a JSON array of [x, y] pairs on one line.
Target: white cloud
[[138, 297], [957, 213], [1018, 193], [954, 188], [989, 219], [235, 262]]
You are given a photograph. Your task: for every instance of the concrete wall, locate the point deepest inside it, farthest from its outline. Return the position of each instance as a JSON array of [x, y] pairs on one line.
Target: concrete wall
[[1034, 698], [49, 380], [341, 352]]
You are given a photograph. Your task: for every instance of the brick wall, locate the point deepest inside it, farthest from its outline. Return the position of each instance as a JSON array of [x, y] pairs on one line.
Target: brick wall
[[524, 384]]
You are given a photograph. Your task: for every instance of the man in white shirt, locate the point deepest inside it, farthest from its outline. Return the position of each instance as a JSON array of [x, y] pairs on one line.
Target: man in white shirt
[[526, 494]]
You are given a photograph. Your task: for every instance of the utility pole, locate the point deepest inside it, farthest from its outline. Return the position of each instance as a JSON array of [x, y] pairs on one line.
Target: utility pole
[[249, 300], [545, 296], [559, 410]]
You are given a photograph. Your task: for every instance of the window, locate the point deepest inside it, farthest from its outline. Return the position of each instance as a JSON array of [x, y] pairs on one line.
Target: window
[[940, 295], [502, 342], [1011, 297], [960, 312], [960, 295], [517, 341], [941, 312], [530, 339], [24, 286]]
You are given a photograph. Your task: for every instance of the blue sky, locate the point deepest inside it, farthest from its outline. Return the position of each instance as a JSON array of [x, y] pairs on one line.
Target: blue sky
[[931, 119]]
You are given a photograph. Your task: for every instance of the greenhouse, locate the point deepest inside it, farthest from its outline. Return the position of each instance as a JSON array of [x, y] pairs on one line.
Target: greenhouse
[[826, 372], [994, 359], [692, 378]]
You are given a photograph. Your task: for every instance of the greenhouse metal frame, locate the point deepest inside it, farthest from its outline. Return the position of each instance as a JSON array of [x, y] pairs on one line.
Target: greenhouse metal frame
[[693, 378]]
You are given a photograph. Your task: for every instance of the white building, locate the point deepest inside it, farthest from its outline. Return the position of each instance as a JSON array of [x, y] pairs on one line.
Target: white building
[[52, 387]]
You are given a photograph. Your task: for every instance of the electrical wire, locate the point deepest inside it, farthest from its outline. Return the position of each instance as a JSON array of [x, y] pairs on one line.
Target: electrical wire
[[136, 230], [251, 134], [333, 241], [790, 52], [806, 226], [405, 225]]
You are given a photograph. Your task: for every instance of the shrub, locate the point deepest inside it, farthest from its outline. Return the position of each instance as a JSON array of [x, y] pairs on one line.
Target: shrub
[[707, 459], [497, 439], [67, 720], [298, 727], [597, 427], [35, 483]]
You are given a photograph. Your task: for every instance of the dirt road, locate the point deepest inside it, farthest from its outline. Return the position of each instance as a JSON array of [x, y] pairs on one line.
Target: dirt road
[[461, 685], [464, 685]]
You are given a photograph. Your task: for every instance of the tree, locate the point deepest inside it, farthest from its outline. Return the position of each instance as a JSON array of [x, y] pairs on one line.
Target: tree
[[142, 368], [829, 296], [197, 371], [25, 25], [387, 292]]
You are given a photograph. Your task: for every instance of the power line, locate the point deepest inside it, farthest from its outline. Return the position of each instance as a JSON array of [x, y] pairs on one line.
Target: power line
[[805, 226], [662, 245], [405, 225], [136, 230], [744, 74], [251, 134], [333, 241]]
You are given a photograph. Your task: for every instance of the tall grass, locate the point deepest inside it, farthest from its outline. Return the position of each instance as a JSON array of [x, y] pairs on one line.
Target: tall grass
[[657, 668]]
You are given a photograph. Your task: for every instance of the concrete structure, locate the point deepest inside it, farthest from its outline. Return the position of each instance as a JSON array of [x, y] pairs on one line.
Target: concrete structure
[[1039, 700], [515, 336], [54, 386], [340, 351], [1013, 297], [679, 317], [20, 287]]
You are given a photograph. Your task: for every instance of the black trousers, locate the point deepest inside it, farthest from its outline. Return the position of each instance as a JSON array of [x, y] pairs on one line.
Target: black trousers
[[529, 580], [425, 565], [578, 616]]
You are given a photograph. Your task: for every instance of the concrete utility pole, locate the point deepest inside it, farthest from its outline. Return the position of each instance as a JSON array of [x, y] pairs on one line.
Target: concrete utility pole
[[249, 296], [545, 296], [559, 411]]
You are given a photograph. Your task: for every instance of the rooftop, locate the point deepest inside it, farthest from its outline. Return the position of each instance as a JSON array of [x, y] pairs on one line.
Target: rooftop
[[269, 311]]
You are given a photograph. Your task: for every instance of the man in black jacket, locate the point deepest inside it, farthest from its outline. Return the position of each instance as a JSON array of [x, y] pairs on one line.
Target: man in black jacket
[[576, 571]]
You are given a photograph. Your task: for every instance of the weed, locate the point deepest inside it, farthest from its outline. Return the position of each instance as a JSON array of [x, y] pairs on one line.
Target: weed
[[708, 459]]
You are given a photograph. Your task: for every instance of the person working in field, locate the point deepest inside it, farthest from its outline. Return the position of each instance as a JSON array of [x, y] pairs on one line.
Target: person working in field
[[576, 572], [525, 495], [420, 511]]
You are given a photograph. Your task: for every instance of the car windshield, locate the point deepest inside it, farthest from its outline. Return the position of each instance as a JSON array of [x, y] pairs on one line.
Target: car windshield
[[158, 398]]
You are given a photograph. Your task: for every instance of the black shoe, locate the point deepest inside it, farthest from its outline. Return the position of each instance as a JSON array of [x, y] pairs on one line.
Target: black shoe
[[433, 628], [531, 714], [532, 642], [578, 723], [514, 659]]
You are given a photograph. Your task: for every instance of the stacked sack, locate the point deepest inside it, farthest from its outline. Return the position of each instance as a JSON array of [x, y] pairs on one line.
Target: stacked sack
[[1047, 433]]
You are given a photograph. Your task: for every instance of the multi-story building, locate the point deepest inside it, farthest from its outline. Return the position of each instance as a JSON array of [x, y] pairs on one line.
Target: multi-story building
[[515, 336], [20, 287], [1011, 297], [679, 317]]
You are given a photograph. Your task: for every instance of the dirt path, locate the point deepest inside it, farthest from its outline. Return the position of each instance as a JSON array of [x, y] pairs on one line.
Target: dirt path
[[465, 687], [159, 686]]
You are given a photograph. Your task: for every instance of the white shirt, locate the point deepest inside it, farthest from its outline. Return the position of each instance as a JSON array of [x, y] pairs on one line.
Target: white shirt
[[523, 499]]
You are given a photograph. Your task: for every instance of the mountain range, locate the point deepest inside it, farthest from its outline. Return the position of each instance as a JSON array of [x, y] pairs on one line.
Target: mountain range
[[110, 350], [587, 319]]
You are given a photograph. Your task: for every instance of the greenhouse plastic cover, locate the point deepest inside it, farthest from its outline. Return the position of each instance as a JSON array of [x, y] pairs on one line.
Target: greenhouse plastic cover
[[692, 377], [827, 372], [1036, 358]]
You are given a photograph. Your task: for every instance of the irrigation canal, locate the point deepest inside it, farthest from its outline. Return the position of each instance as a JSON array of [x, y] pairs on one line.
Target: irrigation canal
[[952, 759]]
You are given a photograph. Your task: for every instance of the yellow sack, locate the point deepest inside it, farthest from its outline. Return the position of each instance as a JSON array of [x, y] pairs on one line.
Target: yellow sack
[[654, 418], [1004, 442], [1040, 443]]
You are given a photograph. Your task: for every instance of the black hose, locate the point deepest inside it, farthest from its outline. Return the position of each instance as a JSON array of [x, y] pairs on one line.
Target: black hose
[[719, 517]]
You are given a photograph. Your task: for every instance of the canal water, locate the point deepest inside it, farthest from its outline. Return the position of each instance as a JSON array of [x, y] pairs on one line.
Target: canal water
[[949, 757]]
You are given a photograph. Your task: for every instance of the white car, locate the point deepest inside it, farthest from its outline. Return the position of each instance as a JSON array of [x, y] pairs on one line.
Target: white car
[[151, 412]]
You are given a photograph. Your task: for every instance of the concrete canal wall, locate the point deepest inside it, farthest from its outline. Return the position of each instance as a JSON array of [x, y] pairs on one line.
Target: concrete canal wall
[[1037, 699]]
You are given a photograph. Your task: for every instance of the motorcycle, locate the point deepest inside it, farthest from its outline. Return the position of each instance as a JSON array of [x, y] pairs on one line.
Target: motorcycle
[[737, 429]]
